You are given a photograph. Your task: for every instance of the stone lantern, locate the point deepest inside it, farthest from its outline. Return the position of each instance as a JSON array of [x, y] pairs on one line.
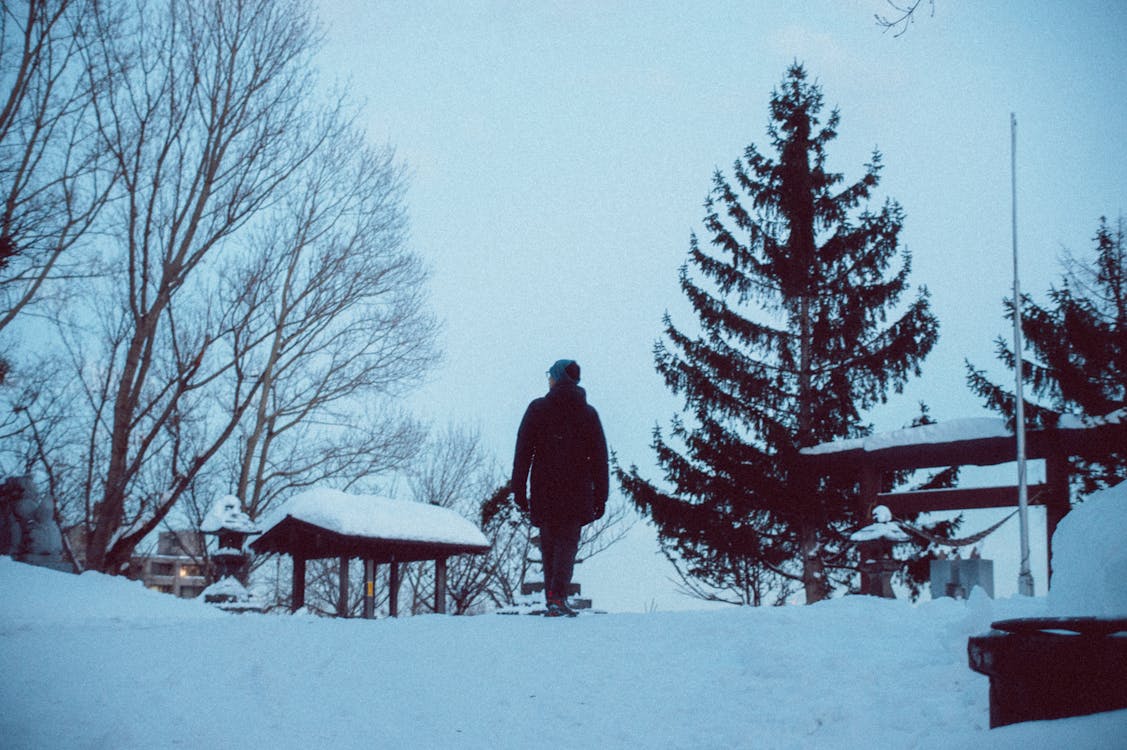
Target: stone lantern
[[875, 543], [227, 521]]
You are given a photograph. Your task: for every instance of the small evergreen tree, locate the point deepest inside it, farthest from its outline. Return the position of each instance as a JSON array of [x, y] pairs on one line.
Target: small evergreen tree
[[1078, 344], [793, 299]]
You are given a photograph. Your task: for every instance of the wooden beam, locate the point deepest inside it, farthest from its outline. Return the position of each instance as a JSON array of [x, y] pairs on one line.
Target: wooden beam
[[295, 537], [440, 586], [1092, 442], [920, 501], [535, 587], [870, 489], [297, 601]]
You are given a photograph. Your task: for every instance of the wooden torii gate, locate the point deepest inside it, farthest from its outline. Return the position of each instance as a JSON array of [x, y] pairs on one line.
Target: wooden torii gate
[[986, 443]]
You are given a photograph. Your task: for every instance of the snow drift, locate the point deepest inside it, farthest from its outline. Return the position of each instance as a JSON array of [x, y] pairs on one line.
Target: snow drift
[[96, 662]]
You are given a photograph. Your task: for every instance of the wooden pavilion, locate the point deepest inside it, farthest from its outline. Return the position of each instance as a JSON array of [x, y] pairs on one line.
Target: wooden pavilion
[[969, 442], [326, 524]]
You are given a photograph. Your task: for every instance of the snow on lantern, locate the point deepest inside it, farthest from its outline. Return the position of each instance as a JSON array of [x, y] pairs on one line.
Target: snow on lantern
[[227, 521], [875, 543]]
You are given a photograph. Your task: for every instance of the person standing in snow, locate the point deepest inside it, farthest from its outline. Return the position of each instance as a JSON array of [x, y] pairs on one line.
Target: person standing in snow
[[561, 441]]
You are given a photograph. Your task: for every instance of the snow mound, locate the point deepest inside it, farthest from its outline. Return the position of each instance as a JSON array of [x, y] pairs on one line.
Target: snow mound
[[34, 594], [1090, 557], [226, 589], [833, 675]]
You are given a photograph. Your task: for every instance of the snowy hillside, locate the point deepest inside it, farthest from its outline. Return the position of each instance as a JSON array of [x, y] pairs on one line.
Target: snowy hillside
[[95, 662]]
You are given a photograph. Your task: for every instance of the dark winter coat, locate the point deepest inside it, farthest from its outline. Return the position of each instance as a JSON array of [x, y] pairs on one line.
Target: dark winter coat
[[562, 441]]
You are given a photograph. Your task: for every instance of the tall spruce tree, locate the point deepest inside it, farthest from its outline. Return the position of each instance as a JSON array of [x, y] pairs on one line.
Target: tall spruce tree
[[1078, 344], [793, 294]]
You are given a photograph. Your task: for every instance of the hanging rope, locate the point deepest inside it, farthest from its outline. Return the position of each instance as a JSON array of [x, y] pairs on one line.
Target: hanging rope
[[943, 541]]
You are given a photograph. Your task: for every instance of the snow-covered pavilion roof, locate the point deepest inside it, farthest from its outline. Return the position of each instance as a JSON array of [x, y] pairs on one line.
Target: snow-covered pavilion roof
[[367, 525]]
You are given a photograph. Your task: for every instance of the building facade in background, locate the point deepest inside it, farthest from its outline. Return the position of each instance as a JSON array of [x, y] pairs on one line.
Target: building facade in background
[[178, 566]]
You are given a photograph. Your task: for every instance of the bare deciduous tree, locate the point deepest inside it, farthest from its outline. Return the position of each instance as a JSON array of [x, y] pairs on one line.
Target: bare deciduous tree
[[34, 430], [260, 307], [510, 533], [332, 326], [54, 175], [206, 116], [454, 472]]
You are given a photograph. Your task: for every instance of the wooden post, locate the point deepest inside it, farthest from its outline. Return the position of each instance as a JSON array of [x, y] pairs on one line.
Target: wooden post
[[393, 593], [369, 589], [870, 488], [298, 599], [1058, 502], [342, 601], [440, 586]]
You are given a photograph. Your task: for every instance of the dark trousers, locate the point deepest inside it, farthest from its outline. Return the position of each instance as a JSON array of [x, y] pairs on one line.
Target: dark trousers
[[558, 545]]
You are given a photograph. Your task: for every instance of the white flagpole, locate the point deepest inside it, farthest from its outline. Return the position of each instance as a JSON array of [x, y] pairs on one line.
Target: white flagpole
[[1025, 577]]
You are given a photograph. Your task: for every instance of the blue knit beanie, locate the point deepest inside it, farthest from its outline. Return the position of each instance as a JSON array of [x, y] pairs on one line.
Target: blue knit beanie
[[564, 370]]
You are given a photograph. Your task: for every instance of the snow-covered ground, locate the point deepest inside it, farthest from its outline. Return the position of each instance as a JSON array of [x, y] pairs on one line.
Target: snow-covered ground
[[96, 662]]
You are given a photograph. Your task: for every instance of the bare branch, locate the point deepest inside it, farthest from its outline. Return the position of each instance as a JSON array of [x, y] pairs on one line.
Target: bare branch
[[904, 16], [55, 177]]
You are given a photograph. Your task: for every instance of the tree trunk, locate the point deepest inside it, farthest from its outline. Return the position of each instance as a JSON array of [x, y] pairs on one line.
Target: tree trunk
[[108, 513]]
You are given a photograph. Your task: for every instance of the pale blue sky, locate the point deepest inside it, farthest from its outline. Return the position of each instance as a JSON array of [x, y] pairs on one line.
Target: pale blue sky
[[560, 153]]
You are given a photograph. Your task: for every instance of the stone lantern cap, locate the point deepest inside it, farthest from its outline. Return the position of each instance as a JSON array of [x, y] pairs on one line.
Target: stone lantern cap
[[226, 515], [882, 527]]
